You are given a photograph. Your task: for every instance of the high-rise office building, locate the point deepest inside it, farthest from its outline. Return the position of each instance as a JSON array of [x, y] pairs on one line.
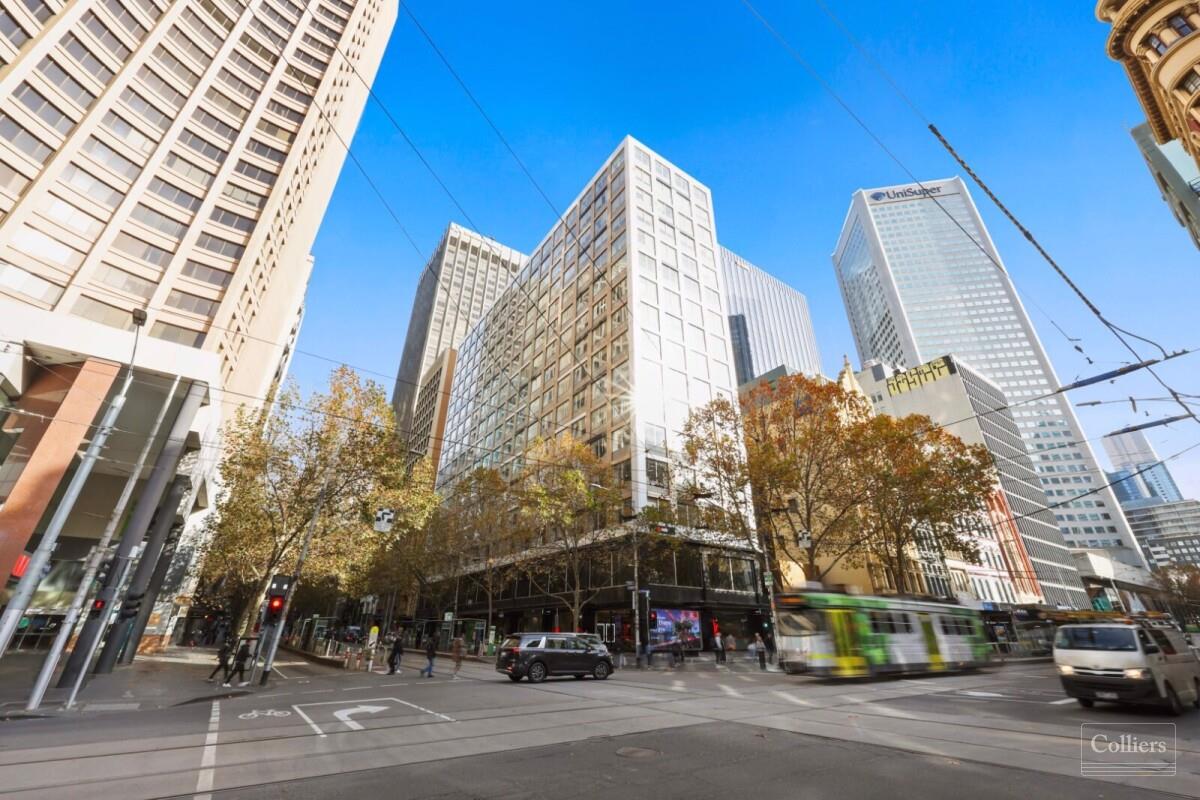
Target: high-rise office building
[[1023, 558], [1144, 475], [1155, 40], [769, 323], [1169, 532], [467, 273], [614, 330], [1177, 177], [174, 158], [920, 277]]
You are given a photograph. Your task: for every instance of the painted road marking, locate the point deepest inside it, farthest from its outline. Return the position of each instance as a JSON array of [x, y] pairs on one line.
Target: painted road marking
[[1062, 702], [317, 728], [344, 715], [268, 712], [208, 760]]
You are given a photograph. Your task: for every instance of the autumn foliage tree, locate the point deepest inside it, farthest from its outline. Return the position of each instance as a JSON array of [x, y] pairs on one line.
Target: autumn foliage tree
[[922, 484], [333, 456]]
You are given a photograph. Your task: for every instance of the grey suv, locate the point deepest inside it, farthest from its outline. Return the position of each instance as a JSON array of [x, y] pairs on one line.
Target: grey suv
[[540, 655]]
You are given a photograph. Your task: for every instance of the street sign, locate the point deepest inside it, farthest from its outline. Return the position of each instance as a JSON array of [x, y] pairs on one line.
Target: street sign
[[768, 579], [448, 616], [384, 518]]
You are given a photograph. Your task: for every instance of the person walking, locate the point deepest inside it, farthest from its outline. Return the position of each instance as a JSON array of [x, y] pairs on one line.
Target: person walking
[[239, 666], [719, 646], [458, 649], [430, 654], [730, 647], [222, 662], [396, 655], [760, 647]]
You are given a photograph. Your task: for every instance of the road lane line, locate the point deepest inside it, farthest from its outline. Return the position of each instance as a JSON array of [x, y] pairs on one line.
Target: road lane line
[[426, 710], [208, 760], [1062, 702], [308, 719]]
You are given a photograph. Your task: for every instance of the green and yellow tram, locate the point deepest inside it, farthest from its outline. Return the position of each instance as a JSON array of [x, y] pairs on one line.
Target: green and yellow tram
[[855, 636]]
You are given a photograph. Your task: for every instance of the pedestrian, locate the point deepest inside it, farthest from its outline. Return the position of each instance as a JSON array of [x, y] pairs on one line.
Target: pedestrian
[[719, 647], [239, 666], [458, 649], [222, 662], [430, 654], [760, 647], [730, 646], [396, 655]]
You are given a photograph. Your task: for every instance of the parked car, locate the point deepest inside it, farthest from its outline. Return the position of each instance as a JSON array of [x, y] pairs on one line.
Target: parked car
[[1125, 662], [540, 655]]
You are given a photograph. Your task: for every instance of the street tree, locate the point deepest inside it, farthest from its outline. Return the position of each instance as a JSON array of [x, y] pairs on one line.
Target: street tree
[[482, 508], [567, 511], [804, 447], [923, 486], [1181, 585], [330, 460]]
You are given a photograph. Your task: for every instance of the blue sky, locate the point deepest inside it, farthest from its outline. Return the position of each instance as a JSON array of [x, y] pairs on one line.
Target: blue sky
[[1023, 89]]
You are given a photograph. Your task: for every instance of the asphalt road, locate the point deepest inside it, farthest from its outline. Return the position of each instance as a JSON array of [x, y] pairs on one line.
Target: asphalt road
[[1005, 732]]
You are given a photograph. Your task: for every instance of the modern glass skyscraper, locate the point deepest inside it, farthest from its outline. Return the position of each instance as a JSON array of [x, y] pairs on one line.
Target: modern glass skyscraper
[[1134, 459], [768, 322], [459, 284], [917, 285], [613, 331]]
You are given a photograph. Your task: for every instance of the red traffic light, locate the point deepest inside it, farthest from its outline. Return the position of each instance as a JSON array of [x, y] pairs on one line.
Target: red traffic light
[[275, 603], [98, 604]]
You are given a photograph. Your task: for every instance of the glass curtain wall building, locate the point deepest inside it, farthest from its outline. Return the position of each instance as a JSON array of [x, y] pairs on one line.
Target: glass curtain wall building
[[613, 331], [769, 323], [916, 286], [1135, 461], [462, 280]]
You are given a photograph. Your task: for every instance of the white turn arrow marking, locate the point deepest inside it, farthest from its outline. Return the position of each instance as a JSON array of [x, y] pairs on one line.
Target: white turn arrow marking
[[344, 715]]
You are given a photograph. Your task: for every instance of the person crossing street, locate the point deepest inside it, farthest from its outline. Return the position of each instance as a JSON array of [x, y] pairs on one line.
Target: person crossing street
[[458, 649], [396, 655], [222, 662], [239, 666], [430, 654]]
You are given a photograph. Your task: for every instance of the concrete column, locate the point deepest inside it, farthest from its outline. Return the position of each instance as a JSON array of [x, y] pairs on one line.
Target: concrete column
[[72, 396]]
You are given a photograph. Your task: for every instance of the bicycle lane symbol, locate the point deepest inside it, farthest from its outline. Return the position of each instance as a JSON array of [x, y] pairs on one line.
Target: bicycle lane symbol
[[270, 712]]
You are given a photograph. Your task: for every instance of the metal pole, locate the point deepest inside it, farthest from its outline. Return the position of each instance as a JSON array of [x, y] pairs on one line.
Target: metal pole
[[41, 556], [89, 574], [106, 614], [139, 521], [141, 576], [152, 590], [273, 644], [637, 620]]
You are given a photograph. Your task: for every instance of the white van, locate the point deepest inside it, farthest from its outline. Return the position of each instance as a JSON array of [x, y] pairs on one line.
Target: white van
[[1124, 662]]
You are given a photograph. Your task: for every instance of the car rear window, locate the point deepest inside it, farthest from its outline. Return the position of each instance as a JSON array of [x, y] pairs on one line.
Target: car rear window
[[1088, 638]]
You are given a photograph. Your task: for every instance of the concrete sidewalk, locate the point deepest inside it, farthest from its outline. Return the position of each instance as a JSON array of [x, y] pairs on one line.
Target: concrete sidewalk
[[175, 676]]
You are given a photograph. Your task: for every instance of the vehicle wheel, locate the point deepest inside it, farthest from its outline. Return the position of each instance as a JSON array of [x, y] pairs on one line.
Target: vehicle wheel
[[514, 678], [1174, 706], [600, 671], [537, 672], [1085, 702]]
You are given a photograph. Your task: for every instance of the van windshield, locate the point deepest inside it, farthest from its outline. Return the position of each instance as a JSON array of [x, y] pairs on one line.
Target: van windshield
[[1086, 638]]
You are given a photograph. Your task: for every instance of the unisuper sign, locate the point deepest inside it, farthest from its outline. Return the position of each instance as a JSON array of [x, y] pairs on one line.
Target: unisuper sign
[[906, 193]]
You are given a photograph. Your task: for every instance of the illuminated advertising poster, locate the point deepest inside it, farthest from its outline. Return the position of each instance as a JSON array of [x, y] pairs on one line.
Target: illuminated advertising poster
[[675, 625]]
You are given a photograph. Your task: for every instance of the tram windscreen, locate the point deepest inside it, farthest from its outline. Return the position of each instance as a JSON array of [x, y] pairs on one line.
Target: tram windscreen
[[799, 623]]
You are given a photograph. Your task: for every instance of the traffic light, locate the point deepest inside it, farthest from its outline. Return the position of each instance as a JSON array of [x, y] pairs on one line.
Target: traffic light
[[274, 610], [98, 606], [102, 571], [132, 605], [653, 619]]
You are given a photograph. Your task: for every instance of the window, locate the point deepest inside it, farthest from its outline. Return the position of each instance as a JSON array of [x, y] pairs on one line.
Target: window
[[124, 130], [12, 30], [256, 173], [41, 12], [68, 85], [86, 59], [189, 170], [126, 281], [126, 19], [145, 109], [1157, 44], [266, 151], [111, 158], [235, 192], [226, 217], [158, 221], [175, 66], [17, 280], [222, 247], [249, 66], [185, 44], [103, 313], [259, 49], [91, 186], [159, 86], [656, 473], [207, 274], [43, 109], [191, 303], [238, 85], [1190, 82], [227, 105], [287, 112], [202, 146], [23, 140], [1181, 25], [215, 125], [174, 195], [105, 36], [136, 248], [177, 334], [74, 219]]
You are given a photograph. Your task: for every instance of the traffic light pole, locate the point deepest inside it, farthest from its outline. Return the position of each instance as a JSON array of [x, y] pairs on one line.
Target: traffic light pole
[[93, 563]]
